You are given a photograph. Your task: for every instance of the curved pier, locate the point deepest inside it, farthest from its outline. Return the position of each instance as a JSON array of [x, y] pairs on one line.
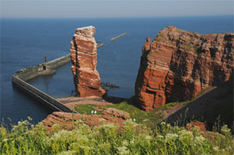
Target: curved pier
[[21, 77]]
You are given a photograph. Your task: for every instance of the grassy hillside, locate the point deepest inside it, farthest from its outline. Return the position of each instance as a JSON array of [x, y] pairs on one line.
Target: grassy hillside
[[149, 118], [134, 138], [143, 136]]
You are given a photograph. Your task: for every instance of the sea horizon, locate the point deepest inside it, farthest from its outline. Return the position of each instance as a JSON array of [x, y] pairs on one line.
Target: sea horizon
[[122, 17]]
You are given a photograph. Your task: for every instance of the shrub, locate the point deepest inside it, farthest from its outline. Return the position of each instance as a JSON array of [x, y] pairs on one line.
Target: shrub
[[133, 138]]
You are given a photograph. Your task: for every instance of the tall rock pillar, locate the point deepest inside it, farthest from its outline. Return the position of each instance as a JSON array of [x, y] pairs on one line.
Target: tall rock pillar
[[84, 61]]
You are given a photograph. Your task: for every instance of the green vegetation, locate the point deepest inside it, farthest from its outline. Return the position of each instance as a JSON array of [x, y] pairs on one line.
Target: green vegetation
[[168, 106], [148, 118], [159, 37], [192, 48], [183, 30], [195, 47], [203, 91], [133, 138], [141, 116], [143, 137], [86, 109]]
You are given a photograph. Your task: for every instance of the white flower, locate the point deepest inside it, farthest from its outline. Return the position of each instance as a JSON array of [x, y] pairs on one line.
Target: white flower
[[56, 126], [129, 122], [105, 145], [101, 119], [147, 137], [92, 112], [168, 125], [132, 141], [125, 143], [185, 135], [25, 122], [225, 129], [171, 137], [69, 152], [160, 136], [19, 122], [123, 150], [61, 134], [216, 148], [199, 139]]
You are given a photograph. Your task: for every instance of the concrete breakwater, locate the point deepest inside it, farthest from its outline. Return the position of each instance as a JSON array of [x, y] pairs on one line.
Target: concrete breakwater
[[117, 37], [21, 77], [47, 68]]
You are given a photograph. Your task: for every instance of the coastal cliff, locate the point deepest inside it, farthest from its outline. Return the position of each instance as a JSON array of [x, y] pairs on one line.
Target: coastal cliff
[[84, 61], [178, 65]]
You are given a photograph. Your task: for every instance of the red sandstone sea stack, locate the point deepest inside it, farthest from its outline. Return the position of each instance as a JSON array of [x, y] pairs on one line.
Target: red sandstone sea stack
[[180, 64], [84, 61]]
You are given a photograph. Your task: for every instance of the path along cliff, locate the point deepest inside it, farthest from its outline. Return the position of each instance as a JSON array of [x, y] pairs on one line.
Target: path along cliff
[[179, 64]]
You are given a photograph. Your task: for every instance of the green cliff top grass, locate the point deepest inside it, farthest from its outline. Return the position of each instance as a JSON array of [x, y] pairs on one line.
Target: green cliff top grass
[[187, 47], [140, 115], [149, 118], [183, 30]]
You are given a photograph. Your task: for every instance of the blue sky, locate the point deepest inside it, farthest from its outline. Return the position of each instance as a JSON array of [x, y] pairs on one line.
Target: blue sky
[[114, 8]]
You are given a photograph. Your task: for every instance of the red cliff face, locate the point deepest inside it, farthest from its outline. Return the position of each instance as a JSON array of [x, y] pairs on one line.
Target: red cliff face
[[179, 64], [84, 61]]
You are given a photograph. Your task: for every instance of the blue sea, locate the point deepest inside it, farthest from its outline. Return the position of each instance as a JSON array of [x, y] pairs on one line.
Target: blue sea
[[25, 42]]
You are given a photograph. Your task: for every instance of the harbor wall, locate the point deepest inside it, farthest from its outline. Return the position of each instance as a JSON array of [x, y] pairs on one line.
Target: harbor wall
[[47, 68], [59, 61]]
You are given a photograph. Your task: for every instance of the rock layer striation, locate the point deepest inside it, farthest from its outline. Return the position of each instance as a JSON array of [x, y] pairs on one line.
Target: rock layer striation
[[66, 120], [178, 65], [84, 61]]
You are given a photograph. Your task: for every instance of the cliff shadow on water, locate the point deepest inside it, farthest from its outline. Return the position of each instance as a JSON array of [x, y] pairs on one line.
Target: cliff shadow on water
[[214, 107]]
